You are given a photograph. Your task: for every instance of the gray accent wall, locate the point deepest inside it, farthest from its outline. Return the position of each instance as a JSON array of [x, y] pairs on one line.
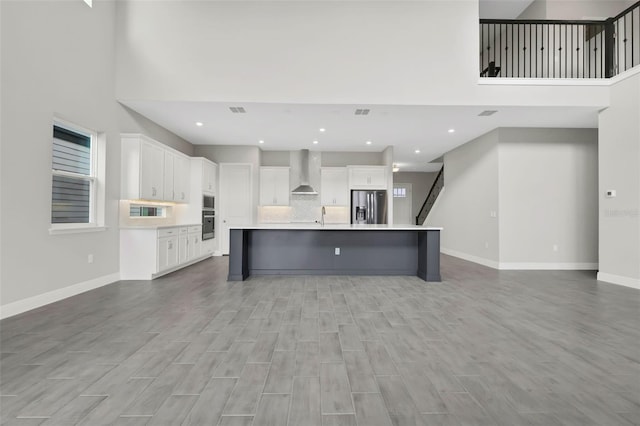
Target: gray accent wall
[[41, 45], [471, 193], [420, 185], [548, 210], [522, 199], [619, 164]]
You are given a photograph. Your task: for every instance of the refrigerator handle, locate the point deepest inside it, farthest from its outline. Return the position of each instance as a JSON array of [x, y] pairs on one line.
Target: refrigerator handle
[[368, 208]]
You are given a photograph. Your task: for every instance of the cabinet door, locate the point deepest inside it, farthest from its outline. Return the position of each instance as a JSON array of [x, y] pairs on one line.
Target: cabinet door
[[281, 187], [167, 253], [151, 171], [333, 187], [209, 171], [169, 176], [274, 186], [183, 245], [194, 246], [378, 178], [267, 187], [368, 177], [181, 179]]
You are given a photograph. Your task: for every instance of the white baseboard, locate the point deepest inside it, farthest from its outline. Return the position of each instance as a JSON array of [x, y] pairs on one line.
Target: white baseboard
[[24, 305], [543, 266], [619, 280], [521, 266], [471, 258]]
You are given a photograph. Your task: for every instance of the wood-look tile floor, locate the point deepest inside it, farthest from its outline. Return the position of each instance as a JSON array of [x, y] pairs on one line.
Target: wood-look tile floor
[[481, 348]]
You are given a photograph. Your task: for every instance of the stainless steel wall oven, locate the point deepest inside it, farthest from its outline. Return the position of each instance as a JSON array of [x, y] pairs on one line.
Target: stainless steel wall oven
[[208, 217]]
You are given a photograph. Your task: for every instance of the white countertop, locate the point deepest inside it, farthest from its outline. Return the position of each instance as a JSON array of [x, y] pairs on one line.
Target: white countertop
[[335, 227], [155, 227]]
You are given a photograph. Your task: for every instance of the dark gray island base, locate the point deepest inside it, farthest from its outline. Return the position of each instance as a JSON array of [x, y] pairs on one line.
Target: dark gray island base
[[311, 251]]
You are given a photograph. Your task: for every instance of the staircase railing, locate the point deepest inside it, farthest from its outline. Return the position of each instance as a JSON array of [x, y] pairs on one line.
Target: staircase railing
[[437, 186], [560, 49]]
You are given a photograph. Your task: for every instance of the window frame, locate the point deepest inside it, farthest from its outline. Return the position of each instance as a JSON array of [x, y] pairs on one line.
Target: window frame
[[96, 175]]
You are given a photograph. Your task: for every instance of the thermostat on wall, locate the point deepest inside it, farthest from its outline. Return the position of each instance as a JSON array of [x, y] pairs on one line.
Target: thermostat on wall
[[610, 193]]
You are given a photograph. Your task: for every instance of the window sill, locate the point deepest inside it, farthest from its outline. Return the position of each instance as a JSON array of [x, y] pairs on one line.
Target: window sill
[[76, 230]]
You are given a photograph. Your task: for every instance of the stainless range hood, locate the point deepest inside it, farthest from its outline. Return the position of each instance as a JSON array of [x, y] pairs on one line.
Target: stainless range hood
[[304, 188]]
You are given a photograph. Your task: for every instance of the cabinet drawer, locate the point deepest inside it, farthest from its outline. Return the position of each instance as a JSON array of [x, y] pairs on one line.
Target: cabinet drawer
[[197, 229], [167, 232], [184, 230]]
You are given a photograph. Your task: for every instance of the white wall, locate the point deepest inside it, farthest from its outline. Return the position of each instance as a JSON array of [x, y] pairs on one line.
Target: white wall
[[471, 193], [41, 41], [619, 165], [421, 183], [40, 44], [236, 154], [574, 10], [548, 197], [371, 52], [541, 184]]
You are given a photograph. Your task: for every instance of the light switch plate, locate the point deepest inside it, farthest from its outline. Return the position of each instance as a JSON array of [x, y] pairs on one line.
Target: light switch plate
[[337, 251]]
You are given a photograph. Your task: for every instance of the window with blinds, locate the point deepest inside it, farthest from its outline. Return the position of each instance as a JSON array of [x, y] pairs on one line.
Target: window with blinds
[[73, 176]]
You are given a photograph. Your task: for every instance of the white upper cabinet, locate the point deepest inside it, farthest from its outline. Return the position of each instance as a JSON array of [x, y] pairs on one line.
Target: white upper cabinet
[[142, 169], [176, 177], [209, 172], [334, 189], [153, 171], [367, 177], [181, 178], [274, 186]]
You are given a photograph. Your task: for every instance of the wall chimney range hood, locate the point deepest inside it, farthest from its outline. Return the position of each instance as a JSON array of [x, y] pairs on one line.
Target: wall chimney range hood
[[304, 188]]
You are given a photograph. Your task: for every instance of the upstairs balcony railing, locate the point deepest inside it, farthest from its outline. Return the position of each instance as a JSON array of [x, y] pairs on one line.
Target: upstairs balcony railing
[[560, 49]]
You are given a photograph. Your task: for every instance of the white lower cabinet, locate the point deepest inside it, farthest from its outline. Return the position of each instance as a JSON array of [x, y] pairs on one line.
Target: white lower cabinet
[[148, 253], [183, 246], [194, 237]]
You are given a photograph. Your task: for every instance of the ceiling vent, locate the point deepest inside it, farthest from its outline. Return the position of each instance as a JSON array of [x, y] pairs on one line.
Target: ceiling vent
[[487, 113], [362, 111], [237, 110]]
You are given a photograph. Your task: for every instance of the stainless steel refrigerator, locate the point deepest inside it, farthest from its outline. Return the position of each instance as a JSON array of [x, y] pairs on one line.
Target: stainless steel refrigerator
[[368, 207]]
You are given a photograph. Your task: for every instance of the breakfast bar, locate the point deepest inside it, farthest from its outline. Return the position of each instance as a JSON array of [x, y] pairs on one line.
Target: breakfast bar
[[312, 249]]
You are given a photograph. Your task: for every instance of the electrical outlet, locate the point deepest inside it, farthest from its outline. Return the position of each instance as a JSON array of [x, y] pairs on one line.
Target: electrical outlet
[[90, 258], [337, 251], [555, 247]]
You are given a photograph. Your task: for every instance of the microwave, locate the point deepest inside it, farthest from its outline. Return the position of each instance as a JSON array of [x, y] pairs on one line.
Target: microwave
[[208, 202]]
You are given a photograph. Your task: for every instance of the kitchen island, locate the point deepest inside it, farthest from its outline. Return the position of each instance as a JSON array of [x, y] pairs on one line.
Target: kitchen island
[[312, 249]]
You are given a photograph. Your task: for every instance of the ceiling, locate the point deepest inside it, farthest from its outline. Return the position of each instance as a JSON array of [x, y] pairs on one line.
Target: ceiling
[[406, 128], [502, 9]]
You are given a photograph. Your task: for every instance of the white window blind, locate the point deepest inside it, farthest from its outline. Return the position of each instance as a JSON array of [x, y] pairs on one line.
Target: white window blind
[[73, 177]]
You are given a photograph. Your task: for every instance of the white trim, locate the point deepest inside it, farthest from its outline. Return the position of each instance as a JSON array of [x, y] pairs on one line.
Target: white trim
[[544, 266], [471, 258], [625, 74], [619, 280], [20, 306], [77, 229], [507, 81]]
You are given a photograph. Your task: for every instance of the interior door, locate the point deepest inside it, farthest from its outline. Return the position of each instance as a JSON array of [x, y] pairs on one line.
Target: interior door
[[402, 204], [236, 199]]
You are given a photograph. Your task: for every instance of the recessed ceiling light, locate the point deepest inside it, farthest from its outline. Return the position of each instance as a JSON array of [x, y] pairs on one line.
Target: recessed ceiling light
[[452, 130], [315, 142], [199, 123], [260, 141], [322, 129], [368, 142], [417, 151]]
